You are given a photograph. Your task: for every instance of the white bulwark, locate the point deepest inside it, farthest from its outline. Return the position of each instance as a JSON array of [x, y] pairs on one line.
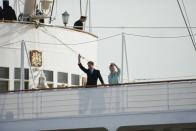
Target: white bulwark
[[147, 106]]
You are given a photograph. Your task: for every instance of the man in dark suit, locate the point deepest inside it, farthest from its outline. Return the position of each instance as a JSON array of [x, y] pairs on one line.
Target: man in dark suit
[[79, 23], [92, 73]]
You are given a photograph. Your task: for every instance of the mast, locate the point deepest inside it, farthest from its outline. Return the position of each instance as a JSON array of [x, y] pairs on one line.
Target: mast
[[22, 66], [122, 59], [90, 24]]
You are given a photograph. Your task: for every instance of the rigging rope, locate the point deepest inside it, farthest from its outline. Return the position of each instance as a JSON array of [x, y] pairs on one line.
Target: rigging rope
[[12, 43], [86, 11], [80, 7], [160, 37], [90, 17], [188, 29], [136, 27], [188, 21], [104, 38], [81, 43], [162, 78]]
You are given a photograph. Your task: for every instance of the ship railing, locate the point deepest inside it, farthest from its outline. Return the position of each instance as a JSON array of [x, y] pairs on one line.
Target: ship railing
[[129, 98]]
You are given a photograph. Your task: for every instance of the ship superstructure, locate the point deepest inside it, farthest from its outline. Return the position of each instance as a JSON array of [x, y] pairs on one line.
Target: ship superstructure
[[42, 88]]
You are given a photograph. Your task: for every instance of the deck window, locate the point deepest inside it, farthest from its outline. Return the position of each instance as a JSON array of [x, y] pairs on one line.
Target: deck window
[[17, 79], [4, 79], [17, 73], [17, 85], [4, 72], [4, 85], [62, 77], [75, 79], [49, 75]]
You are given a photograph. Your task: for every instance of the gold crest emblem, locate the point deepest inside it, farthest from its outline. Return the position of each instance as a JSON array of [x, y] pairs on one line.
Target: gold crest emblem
[[36, 58]]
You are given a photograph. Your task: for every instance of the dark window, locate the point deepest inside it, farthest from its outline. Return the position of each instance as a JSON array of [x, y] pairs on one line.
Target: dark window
[[17, 73], [75, 79], [4, 72], [17, 85], [4, 86], [49, 75], [62, 77]]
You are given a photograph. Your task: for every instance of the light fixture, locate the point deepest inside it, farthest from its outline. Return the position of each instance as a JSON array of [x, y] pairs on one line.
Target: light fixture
[[46, 4], [65, 17]]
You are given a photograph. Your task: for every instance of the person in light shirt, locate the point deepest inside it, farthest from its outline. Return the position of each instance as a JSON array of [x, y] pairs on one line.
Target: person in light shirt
[[114, 75]]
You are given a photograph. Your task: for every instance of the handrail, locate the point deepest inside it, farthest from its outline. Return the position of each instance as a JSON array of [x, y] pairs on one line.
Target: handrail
[[105, 85], [161, 96]]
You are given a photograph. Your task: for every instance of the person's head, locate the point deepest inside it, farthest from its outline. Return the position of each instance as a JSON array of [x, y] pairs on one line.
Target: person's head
[[112, 67], [90, 65], [83, 18]]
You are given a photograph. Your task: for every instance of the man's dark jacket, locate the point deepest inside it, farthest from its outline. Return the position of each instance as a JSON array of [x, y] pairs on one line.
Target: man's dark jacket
[[78, 25], [1, 13], [92, 77]]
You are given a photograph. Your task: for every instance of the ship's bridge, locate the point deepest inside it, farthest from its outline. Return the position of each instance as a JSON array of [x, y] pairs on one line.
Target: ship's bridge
[[140, 106]]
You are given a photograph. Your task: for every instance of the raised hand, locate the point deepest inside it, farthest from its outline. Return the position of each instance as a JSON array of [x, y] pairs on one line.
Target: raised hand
[[79, 57]]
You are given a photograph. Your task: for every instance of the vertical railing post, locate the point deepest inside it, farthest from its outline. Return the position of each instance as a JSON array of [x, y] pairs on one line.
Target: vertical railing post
[[22, 66], [168, 95], [90, 21], [126, 57], [122, 59]]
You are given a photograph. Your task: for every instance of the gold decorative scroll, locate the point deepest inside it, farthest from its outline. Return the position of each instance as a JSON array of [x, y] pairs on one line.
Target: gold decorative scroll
[[36, 58]]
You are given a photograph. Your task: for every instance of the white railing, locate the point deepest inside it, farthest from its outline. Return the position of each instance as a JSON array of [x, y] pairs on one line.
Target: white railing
[[115, 100]]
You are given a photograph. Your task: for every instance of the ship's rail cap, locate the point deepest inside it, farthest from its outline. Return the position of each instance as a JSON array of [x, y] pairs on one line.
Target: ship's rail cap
[[106, 85], [48, 25]]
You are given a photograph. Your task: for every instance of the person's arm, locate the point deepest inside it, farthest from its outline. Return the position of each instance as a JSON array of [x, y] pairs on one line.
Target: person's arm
[[100, 78], [118, 69], [80, 64], [79, 59], [109, 79]]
